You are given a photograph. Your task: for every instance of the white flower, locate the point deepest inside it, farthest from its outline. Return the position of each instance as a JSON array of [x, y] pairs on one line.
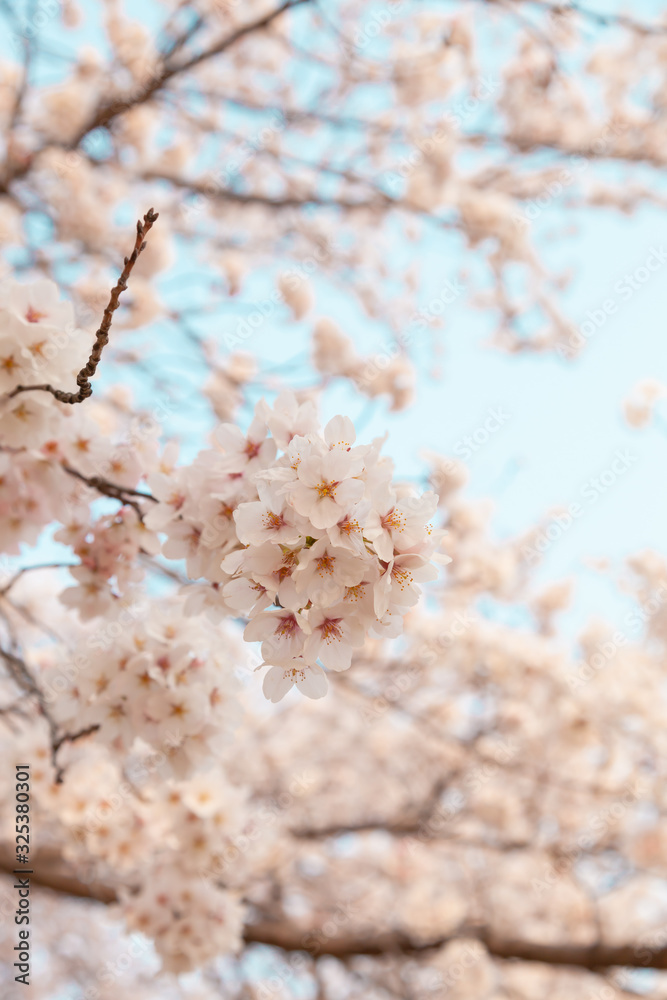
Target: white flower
[[310, 680], [245, 452], [326, 487], [398, 584], [92, 596], [172, 493], [288, 418], [282, 633], [244, 594], [271, 567], [400, 524], [324, 572], [334, 633], [348, 533], [202, 795], [269, 519], [340, 433], [39, 304]]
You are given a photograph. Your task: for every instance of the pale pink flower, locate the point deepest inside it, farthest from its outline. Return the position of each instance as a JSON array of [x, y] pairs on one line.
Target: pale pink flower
[[269, 519], [282, 633], [398, 583], [324, 572], [335, 632], [310, 679], [326, 487], [400, 524]]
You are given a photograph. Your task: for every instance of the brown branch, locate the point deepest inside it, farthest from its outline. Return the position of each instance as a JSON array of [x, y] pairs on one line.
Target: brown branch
[[25, 73], [603, 20], [415, 820], [124, 494], [29, 569], [50, 872], [180, 41], [24, 679], [108, 112], [102, 335], [282, 934], [214, 190], [73, 737]]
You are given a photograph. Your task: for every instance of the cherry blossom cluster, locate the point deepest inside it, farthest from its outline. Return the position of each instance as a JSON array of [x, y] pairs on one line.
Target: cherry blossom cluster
[[47, 449], [39, 342], [190, 917], [108, 551], [164, 680], [190, 921], [302, 531], [108, 815], [391, 373], [33, 492]]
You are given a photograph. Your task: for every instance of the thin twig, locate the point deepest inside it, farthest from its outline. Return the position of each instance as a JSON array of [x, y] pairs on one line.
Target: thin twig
[[107, 113], [122, 493], [28, 569], [73, 737], [102, 335], [25, 74], [24, 679], [19, 671]]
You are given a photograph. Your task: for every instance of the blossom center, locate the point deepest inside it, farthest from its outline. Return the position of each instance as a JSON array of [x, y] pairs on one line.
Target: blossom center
[[402, 576], [32, 315], [287, 627], [273, 521], [394, 519], [326, 489], [355, 593], [331, 630], [325, 564]]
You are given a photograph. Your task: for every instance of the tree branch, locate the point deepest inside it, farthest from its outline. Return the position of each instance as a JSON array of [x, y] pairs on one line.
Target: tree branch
[[24, 679], [106, 114], [52, 873], [102, 335], [29, 569], [214, 190], [124, 494]]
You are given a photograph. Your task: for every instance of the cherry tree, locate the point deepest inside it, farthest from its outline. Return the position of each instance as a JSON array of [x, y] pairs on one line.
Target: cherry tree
[[446, 804]]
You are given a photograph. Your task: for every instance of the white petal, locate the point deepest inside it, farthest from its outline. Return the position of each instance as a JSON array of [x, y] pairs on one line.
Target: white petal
[[340, 431], [314, 683], [277, 683]]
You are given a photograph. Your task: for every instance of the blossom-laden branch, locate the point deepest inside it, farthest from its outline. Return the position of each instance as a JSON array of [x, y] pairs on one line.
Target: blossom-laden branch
[[54, 874], [102, 335]]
